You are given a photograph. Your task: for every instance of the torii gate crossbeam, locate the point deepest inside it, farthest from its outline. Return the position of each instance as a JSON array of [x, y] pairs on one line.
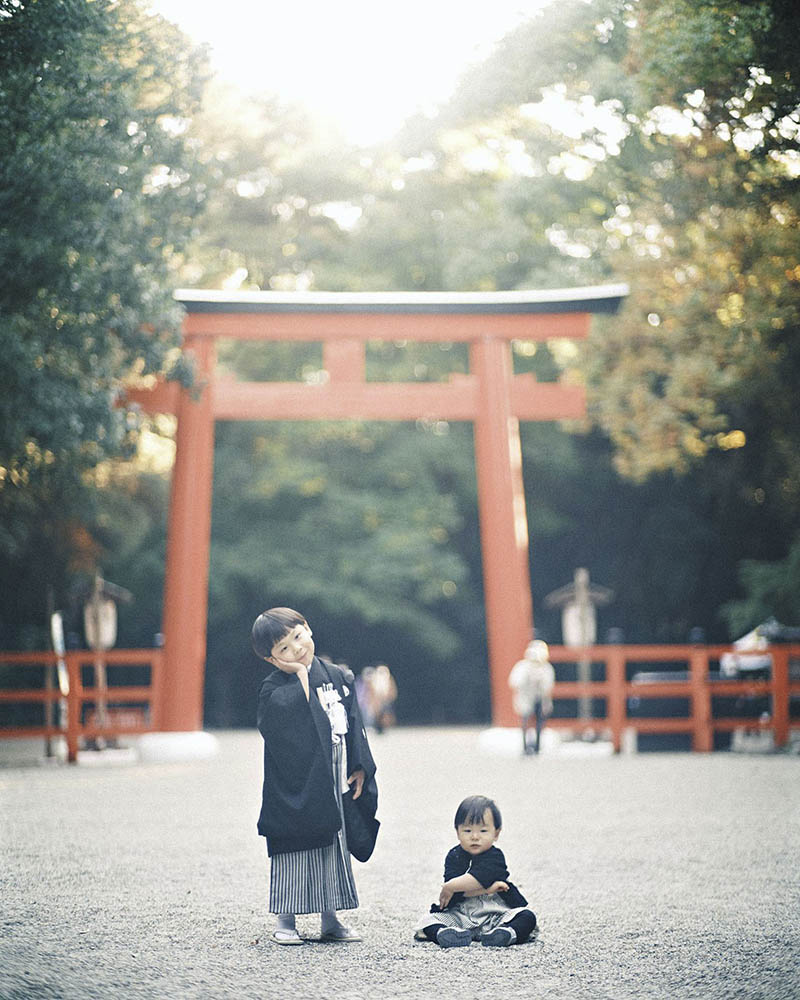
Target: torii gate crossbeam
[[490, 395]]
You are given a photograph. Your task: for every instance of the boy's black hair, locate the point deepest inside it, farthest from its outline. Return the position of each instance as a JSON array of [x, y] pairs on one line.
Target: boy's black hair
[[472, 810], [271, 626]]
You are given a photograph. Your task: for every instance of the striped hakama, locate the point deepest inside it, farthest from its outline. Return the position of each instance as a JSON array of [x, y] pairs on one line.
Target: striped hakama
[[318, 879]]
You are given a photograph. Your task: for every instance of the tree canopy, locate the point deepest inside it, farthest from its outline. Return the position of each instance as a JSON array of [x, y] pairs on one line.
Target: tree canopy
[[99, 192], [99, 189]]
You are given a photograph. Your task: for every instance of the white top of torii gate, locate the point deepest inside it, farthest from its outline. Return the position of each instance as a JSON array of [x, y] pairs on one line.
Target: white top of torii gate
[[591, 299], [524, 314]]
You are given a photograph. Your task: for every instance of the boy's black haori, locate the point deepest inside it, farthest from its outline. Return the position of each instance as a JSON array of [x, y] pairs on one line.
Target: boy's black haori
[[299, 810]]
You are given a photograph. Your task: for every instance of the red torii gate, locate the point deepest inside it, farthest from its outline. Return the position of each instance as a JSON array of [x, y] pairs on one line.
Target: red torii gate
[[491, 396]]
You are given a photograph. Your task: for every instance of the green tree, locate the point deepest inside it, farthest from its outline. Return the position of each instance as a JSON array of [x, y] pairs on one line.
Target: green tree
[[655, 142], [706, 358], [678, 131], [738, 56], [771, 589], [358, 525], [99, 193]]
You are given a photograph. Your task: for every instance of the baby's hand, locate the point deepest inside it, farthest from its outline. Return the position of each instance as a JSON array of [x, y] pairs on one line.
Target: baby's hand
[[497, 887], [445, 895]]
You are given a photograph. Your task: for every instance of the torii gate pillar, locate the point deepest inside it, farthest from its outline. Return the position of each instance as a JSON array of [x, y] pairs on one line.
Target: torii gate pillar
[[503, 520], [491, 396], [188, 548]]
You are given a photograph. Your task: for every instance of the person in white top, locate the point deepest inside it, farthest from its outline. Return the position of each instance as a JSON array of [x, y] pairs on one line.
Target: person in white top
[[531, 681]]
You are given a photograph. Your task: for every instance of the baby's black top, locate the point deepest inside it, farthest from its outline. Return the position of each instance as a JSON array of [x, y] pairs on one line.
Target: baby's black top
[[488, 867]]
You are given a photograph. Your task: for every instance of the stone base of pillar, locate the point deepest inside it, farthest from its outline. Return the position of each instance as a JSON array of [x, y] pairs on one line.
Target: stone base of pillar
[[176, 747]]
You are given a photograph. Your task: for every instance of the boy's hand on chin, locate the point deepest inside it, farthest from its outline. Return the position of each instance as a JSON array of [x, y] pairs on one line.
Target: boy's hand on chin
[[290, 667]]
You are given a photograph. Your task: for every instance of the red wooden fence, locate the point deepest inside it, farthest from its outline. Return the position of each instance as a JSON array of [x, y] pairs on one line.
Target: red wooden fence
[[118, 710], [620, 662], [617, 663]]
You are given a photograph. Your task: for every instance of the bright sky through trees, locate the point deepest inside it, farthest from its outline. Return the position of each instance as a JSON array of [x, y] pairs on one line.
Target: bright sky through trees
[[365, 65]]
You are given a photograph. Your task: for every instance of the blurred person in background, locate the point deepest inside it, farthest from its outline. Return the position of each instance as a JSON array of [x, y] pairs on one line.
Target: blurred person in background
[[384, 696], [531, 681]]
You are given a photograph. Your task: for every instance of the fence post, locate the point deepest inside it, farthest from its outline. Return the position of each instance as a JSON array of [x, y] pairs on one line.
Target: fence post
[[157, 689], [615, 700], [780, 695], [74, 705], [702, 729]]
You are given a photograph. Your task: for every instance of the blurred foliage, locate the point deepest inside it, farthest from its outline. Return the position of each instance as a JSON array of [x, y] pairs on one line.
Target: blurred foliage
[[739, 55], [651, 142], [356, 523], [771, 590], [98, 193], [274, 185], [689, 194]]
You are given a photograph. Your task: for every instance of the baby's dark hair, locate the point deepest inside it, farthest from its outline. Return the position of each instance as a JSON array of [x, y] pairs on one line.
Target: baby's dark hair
[[472, 810], [271, 626]]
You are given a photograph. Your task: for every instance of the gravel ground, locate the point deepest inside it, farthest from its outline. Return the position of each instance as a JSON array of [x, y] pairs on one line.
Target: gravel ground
[[657, 875]]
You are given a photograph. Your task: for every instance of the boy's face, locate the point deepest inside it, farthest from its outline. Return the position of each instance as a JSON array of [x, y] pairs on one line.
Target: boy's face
[[294, 650], [476, 838]]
